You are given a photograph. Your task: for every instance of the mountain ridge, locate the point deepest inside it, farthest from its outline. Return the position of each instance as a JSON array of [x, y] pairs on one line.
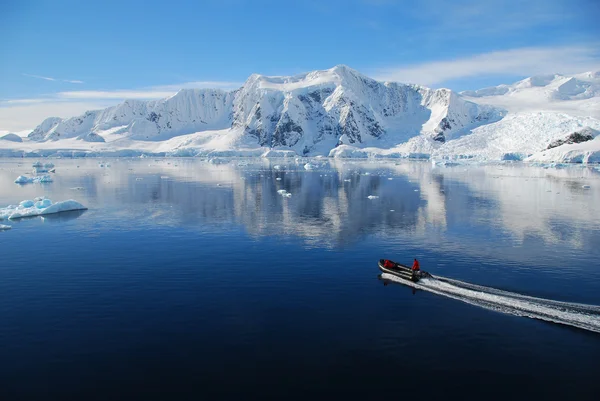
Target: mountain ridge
[[299, 112]]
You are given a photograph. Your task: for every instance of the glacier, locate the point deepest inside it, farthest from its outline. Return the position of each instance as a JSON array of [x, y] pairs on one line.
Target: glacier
[[338, 113]]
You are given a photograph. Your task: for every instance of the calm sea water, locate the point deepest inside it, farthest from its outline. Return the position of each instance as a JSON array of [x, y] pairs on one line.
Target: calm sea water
[[188, 279]]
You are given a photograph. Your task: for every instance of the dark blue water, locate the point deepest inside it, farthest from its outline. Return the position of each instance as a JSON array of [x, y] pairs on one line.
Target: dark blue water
[[187, 279]]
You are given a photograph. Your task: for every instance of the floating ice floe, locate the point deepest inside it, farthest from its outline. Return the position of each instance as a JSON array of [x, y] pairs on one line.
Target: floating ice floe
[[278, 178], [277, 167], [4, 227], [284, 193], [37, 164], [28, 180], [373, 197], [309, 166], [39, 207]]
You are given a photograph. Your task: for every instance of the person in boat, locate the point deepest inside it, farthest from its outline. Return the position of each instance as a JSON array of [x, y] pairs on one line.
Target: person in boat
[[415, 266], [389, 264]]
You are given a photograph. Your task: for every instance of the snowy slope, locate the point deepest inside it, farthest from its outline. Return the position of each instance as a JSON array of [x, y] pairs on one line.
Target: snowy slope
[[517, 136], [577, 95]]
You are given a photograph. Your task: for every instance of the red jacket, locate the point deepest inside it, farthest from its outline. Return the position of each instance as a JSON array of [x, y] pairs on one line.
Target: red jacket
[[415, 265]]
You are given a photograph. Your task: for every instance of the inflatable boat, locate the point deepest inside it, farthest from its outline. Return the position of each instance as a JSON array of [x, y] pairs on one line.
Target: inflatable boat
[[402, 271]]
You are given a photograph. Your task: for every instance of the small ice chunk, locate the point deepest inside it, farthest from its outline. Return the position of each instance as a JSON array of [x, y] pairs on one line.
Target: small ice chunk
[[77, 188], [277, 167], [392, 210], [278, 178], [390, 178], [26, 203], [36, 164], [287, 195], [281, 191], [585, 187], [309, 166], [28, 180], [347, 180], [373, 197], [42, 204], [4, 227], [23, 180], [164, 177], [49, 165]]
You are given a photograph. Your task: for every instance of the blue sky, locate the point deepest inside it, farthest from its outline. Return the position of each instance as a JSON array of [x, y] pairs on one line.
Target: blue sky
[[62, 57]]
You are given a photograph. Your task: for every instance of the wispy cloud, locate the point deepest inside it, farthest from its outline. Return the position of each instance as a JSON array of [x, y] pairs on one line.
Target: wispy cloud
[[523, 61], [116, 94], [71, 81], [39, 77], [154, 92]]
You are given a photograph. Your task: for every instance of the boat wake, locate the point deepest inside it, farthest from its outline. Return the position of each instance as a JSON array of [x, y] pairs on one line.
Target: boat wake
[[583, 316]]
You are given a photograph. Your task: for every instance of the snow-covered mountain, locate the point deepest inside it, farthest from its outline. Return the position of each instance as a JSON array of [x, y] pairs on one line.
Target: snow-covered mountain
[[341, 113], [555, 86], [577, 95], [306, 113]]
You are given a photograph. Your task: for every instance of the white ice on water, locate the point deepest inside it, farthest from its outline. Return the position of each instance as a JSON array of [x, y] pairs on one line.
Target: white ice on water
[[29, 180], [284, 193], [4, 227], [39, 206]]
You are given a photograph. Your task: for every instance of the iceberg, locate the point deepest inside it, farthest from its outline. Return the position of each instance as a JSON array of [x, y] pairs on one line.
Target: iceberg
[[38, 207], [284, 193], [4, 227], [28, 180]]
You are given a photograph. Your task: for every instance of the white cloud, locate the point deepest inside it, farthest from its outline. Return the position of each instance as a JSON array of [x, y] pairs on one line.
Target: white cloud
[[116, 94], [154, 92], [523, 61]]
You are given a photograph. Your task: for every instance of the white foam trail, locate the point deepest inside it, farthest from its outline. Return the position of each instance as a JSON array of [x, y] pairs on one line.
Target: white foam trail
[[583, 316]]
